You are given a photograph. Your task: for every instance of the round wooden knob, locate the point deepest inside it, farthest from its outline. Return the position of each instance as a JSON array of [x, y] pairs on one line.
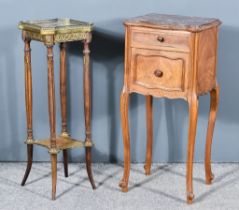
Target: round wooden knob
[[158, 73], [160, 39]]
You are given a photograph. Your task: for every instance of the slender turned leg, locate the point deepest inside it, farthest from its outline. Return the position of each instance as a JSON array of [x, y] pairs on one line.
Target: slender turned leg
[[214, 100], [193, 115], [87, 108], [124, 102], [54, 175], [52, 118], [63, 101], [149, 116], [65, 160], [28, 98], [29, 163], [88, 166]]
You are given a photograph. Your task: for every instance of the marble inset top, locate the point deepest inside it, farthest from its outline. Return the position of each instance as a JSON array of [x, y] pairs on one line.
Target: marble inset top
[[55, 26], [174, 22]]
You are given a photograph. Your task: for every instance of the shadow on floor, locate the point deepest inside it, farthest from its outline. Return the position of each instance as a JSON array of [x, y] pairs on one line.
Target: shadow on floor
[[107, 178]]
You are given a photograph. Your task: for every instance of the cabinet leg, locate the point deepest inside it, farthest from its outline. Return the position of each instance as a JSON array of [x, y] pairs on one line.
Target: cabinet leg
[[149, 121], [124, 103], [54, 174], [193, 115], [214, 101], [29, 163]]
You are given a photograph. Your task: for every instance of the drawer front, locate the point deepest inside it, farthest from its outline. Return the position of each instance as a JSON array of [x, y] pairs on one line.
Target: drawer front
[[156, 70], [146, 38]]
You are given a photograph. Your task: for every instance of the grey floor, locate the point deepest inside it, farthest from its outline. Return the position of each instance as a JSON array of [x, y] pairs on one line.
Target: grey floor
[[164, 189]]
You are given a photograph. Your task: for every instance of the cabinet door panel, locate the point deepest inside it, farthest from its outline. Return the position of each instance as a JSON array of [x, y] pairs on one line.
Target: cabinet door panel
[[156, 70]]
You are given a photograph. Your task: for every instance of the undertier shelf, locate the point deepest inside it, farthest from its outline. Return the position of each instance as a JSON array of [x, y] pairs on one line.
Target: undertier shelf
[[62, 142]]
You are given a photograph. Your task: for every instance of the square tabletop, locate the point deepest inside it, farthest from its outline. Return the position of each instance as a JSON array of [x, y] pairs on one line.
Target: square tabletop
[[55, 26]]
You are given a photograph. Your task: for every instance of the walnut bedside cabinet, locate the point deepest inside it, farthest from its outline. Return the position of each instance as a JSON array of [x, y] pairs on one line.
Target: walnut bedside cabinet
[[173, 57], [51, 32]]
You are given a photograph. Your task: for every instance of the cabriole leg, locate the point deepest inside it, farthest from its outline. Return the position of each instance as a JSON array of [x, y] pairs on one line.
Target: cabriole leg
[[193, 115], [124, 103], [149, 121], [214, 101]]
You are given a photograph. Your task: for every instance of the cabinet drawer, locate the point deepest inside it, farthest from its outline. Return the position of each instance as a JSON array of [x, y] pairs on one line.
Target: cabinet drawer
[[153, 69], [145, 38]]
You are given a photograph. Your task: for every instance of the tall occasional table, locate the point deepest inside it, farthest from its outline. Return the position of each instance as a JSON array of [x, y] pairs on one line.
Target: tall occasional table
[[173, 57], [51, 32]]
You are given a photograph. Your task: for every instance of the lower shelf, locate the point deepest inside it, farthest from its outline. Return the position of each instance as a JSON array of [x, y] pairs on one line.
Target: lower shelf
[[62, 142]]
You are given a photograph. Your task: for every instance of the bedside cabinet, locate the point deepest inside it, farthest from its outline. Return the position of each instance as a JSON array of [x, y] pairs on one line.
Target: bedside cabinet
[[173, 57]]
